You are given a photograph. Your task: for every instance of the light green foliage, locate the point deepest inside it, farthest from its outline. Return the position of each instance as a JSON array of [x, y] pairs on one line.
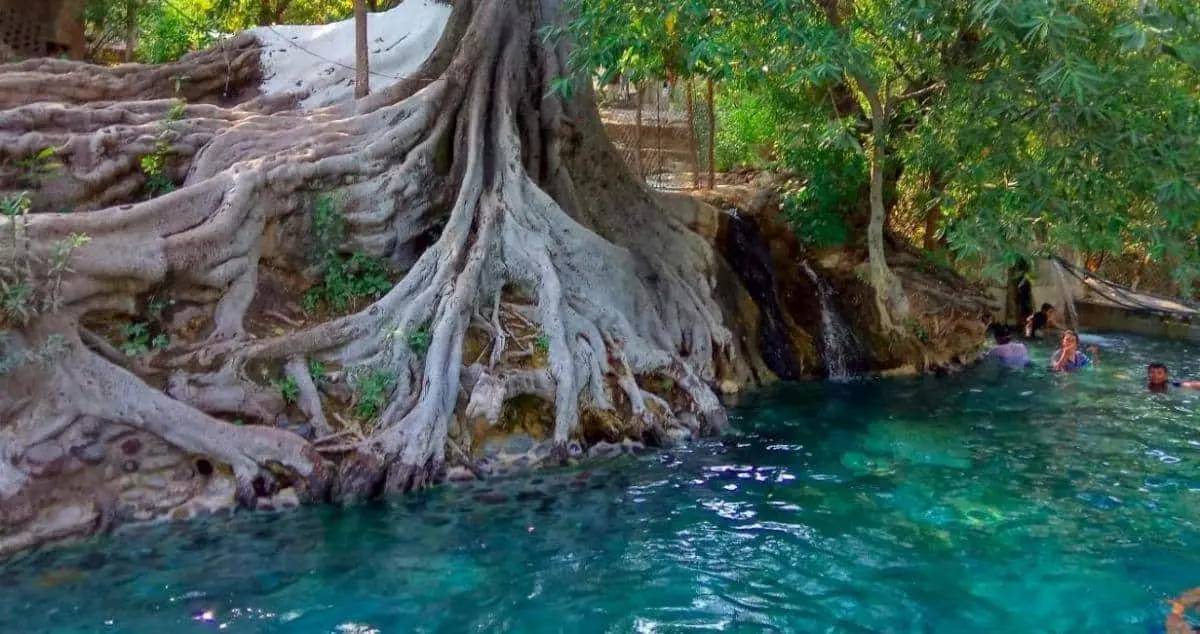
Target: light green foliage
[[1042, 125], [373, 389], [154, 165], [749, 126], [30, 283], [168, 29], [288, 388], [32, 169], [542, 343], [343, 278]]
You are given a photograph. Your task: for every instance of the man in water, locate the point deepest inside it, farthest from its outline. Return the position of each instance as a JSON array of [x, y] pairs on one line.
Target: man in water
[[1068, 357], [1009, 353], [1044, 319], [1157, 379]]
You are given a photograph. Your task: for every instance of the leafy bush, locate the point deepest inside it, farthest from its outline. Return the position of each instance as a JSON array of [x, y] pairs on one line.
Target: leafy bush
[[288, 387], [418, 340], [749, 125], [372, 393], [344, 278]]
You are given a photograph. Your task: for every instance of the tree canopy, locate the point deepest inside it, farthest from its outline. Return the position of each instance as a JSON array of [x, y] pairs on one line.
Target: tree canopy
[[1032, 126]]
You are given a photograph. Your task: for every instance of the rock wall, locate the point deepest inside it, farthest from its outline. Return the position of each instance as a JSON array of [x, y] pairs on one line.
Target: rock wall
[[94, 475]]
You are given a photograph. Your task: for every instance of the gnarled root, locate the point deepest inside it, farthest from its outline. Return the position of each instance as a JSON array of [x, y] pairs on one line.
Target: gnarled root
[[589, 287]]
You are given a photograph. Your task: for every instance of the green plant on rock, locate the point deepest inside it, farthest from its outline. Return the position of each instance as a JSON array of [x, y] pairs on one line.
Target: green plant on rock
[[542, 343], [154, 166], [30, 284], [288, 388], [344, 279], [418, 340], [135, 339], [40, 164], [317, 370], [372, 392]]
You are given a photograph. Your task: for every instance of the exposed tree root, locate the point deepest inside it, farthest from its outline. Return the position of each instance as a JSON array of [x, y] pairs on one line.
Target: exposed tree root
[[467, 176]]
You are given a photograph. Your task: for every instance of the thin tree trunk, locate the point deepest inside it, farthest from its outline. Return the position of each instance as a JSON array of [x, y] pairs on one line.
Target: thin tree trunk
[[933, 217], [712, 136], [692, 150], [658, 130], [362, 71], [131, 30], [637, 137]]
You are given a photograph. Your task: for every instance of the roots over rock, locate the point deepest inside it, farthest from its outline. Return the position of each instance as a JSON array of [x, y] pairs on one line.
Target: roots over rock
[[520, 236]]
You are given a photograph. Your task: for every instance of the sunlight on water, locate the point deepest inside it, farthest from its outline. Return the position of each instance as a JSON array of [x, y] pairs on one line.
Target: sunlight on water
[[991, 502]]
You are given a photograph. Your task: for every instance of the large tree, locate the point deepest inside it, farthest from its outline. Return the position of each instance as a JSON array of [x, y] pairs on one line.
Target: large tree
[[502, 201]]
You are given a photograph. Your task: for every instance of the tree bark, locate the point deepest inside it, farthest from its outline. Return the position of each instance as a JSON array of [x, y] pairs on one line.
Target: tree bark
[[890, 300], [693, 152], [933, 216], [508, 210], [362, 71], [712, 134]]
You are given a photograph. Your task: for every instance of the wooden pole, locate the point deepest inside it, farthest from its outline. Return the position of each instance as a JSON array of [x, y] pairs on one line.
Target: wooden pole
[[712, 137], [131, 30], [637, 136], [362, 70], [691, 121]]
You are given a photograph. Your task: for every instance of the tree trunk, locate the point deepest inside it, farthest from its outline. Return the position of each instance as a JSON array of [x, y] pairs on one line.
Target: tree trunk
[[131, 30], [712, 135], [889, 296], [693, 152], [933, 216], [362, 71], [506, 206]]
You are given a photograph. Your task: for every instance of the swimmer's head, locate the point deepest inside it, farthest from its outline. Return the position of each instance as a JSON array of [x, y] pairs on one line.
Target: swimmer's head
[[1157, 377]]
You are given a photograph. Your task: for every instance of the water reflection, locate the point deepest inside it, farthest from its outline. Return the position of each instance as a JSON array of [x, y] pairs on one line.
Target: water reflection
[[1000, 502]]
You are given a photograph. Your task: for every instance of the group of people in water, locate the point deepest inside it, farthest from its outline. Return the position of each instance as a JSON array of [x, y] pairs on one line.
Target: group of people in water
[[1068, 356]]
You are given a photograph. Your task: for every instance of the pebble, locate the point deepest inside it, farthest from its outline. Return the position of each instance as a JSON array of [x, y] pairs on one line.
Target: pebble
[[604, 449], [459, 473]]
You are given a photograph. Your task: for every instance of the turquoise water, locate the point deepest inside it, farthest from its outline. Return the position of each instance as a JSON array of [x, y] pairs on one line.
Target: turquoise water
[[987, 502]]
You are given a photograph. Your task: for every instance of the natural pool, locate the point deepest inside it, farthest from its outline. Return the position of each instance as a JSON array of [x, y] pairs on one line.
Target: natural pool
[[986, 502]]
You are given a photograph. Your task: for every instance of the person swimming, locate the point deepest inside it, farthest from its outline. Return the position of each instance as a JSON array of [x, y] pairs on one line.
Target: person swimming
[[1007, 352], [1044, 319], [1158, 379], [1068, 357]]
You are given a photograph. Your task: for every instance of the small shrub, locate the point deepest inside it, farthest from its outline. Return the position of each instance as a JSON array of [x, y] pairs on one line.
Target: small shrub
[[154, 166], [288, 387], [418, 340], [317, 370], [30, 284], [344, 279], [33, 168], [372, 394], [542, 344], [136, 339]]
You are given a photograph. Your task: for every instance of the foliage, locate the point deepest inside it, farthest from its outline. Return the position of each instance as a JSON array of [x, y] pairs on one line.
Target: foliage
[[317, 370], [288, 388], [344, 279], [1047, 125], [30, 283], [32, 169], [542, 343], [135, 339], [168, 29], [418, 340], [749, 124], [372, 392]]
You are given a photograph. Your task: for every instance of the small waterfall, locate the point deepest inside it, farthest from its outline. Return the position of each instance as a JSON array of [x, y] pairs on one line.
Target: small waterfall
[[840, 349], [1068, 298], [750, 258]]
